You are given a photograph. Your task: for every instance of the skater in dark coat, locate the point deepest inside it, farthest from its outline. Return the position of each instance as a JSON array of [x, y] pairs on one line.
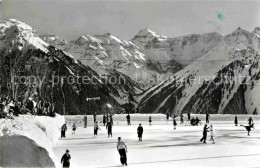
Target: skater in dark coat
[[85, 120], [109, 129], [65, 160], [207, 117], [140, 131], [122, 150], [167, 116], [236, 122], [174, 123], [188, 114], [250, 121], [205, 131], [248, 128], [104, 119], [181, 119], [95, 117], [63, 131], [128, 119], [150, 120]]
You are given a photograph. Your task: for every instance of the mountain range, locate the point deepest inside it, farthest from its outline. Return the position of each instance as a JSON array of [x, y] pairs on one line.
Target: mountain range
[[152, 73]]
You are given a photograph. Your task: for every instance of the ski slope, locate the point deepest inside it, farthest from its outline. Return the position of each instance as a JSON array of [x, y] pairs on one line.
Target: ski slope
[[162, 146]]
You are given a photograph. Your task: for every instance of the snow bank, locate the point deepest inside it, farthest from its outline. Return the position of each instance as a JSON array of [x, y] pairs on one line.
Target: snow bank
[[27, 141]]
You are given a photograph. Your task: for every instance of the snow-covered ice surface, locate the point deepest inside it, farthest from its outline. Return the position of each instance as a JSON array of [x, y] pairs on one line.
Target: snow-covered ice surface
[[26, 141], [162, 146]]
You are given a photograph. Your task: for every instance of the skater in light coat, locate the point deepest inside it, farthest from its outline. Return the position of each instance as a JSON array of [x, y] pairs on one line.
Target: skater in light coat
[[212, 134]]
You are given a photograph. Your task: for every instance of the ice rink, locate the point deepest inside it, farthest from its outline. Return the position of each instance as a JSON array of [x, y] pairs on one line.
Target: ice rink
[[162, 146]]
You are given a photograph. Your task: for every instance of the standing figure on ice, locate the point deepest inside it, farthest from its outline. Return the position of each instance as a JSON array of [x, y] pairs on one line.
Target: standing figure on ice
[[207, 117], [65, 160], [95, 117], [167, 115], [181, 119], [188, 115], [236, 122], [63, 131], [122, 149], [74, 127], [128, 119], [250, 121], [174, 122], [212, 134], [205, 132], [140, 131], [85, 120], [104, 119], [96, 128], [109, 129], [150, 120]]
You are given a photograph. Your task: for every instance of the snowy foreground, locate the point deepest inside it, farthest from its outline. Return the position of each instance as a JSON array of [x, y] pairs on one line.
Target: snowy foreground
[[162, 146]]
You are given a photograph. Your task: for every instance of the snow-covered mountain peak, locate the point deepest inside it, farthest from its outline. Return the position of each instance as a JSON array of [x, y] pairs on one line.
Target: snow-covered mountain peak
[[16, 33], [145, 36], [257, 31]]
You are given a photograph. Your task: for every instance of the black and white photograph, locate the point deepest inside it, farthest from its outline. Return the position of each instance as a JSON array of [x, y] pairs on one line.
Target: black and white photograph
[[130, 83]]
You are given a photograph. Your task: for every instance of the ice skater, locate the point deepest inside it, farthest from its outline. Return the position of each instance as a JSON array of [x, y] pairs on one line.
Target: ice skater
[[63, 131], [65, 160], [150, 120], [181, 119], [167, 116], [207, 117], [96, 128], [85, 120], [74, 127], [104, 119], [95, 117], [236, 122], [122, 150], [188, 115], [248, 128], [250, 121], [205, 132], [212, 134], [109, 129], [140, 131], [174, 122], [128, 119]]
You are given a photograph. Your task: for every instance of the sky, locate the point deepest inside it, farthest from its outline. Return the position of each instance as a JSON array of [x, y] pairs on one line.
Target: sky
[[124, 18]]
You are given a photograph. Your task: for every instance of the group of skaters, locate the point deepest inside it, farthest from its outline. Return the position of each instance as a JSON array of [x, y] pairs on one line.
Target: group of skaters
[[121, 146], [10, 107]]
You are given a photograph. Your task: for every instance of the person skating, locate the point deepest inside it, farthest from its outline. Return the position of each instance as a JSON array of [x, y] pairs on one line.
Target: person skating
[[212, 134], [167, 116], [85, 120], [122, 150], [150, 120], [197, 121], [174, 122], [104, 119], [128, 119], [74, 127], [188, 115], [236, 122], [95, 117], [63, 131], [250, 121], [65, 160], [109, 129], [248, 128], [207, 117], [204, 137], [140, 131], [96, 128], [181, 119]]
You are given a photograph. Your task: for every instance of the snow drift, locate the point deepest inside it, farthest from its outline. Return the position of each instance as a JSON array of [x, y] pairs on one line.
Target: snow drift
[[27, 141]]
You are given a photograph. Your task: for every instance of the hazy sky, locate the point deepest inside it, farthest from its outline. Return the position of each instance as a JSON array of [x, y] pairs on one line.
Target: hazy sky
[[124, 18]]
